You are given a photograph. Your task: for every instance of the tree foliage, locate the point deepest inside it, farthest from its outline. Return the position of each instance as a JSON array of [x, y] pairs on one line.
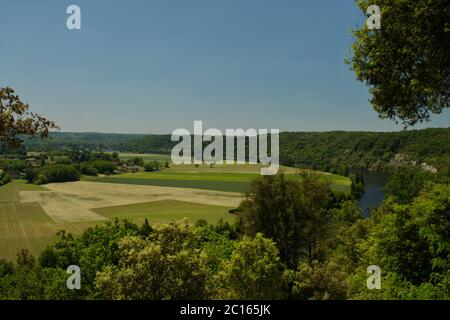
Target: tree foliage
[[166, 266], [291, 212], [16, 120], [253, 271], [405, 64]]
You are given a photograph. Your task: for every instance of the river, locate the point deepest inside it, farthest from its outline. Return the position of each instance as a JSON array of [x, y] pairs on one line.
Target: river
[[373, 195]]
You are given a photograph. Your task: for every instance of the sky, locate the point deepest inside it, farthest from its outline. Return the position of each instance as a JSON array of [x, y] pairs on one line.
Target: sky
[[152, 66]]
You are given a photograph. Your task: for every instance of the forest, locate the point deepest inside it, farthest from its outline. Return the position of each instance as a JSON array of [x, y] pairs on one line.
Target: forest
[[327, 151]]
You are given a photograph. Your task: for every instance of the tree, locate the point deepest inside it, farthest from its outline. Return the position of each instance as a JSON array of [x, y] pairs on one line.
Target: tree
[[319, 281], [16, 120], [4, 178], [57, 173], [412, 240], [405, 184], [138, 161], [165, 266], [152, 166], [252, 272], [405, 64], [289, 211], [104, 166], [87, 169]]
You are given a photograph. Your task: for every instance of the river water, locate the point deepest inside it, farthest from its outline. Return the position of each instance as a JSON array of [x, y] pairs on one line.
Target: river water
[[373, 195]]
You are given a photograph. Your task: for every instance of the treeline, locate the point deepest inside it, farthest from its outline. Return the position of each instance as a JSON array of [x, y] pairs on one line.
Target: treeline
[[376, 151], [61, 166], [292, 239], [332, 151], [67, 141], [52, 173]]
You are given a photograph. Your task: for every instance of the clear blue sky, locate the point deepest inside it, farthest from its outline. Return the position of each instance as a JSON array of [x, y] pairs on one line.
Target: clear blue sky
[[151, 66]]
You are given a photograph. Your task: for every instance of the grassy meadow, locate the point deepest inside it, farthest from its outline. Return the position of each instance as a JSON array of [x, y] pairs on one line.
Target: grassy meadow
[[164, 211], [220, 177]]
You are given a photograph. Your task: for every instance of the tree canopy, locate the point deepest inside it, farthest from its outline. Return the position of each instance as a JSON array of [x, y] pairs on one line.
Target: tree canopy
[[406, 63], [16, 120]]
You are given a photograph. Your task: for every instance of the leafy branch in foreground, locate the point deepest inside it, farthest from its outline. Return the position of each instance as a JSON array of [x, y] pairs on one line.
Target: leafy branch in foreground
[[16, 120], [405, 64]]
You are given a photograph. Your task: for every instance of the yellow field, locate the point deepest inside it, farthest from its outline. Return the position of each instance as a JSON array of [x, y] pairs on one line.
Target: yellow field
[[26, 224], [31, 215]]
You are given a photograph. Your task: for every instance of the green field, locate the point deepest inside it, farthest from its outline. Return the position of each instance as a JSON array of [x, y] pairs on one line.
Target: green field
[[233, 178], [165, 211]]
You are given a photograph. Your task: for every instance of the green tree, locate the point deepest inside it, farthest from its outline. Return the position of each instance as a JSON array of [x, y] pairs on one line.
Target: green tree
[[405, 184], [152, 166], [413, 240], [16, 120], [254, 271], [319, 281], [289, 211], [104, 166], [57, 173], [165, 266], [406, 64]]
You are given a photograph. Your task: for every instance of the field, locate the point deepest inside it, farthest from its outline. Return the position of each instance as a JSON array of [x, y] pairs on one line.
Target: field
[[26, 224], [230, 178], [164, 211], [31, 215]]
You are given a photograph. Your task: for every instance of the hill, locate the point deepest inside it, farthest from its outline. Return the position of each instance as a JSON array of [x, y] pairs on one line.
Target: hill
[[328, 151]]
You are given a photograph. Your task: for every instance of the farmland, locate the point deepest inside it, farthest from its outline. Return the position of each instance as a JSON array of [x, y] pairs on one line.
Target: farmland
[[30, 215], [230, 178], [26, 224], [164, 211]]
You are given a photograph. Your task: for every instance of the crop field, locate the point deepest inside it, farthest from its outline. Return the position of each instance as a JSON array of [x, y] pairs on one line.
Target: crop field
[[165, 211], [231, 178], [31, 215], [26, 224]]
